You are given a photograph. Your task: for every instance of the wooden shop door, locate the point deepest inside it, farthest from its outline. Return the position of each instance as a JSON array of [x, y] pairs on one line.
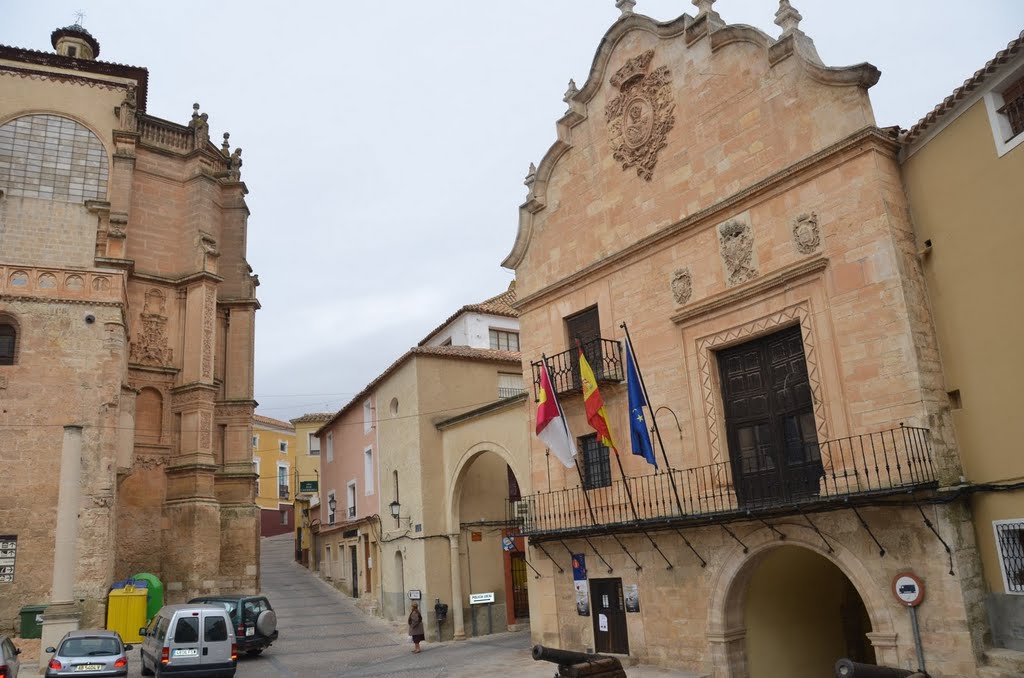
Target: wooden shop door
[[609, 610]]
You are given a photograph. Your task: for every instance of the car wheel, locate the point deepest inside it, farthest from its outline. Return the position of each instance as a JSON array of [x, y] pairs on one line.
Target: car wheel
[[254, 652], [142, 661], [266, 623]]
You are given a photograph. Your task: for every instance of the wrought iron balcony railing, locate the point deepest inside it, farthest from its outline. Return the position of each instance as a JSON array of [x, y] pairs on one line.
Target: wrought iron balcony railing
[[605, 358], [879, 463], [509, 391], [351, 511], [282, 491]]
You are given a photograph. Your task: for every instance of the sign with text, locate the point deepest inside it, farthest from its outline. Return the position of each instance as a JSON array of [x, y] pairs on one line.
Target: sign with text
[[8, 553], [308, 485], [479, 598], [415, 594]]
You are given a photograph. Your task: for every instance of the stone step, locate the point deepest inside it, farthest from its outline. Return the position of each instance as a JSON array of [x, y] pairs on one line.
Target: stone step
[[1006, 660], [993, 672]]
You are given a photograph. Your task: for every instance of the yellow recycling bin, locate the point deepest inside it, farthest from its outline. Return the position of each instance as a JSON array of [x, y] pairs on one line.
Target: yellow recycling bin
[[126, 612]]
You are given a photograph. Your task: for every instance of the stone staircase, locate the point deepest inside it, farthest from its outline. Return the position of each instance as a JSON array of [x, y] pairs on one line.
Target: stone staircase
[[1002, 663]]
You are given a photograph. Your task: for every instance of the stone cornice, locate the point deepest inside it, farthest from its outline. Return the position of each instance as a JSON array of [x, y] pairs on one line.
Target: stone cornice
[[863, 75], [783, 276], [857, 143], [198, 276], [481, 411], [239, 303], [153, 368]]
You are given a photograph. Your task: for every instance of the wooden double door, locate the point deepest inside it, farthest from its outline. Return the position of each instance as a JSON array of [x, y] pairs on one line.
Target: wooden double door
[[769, 414], [609, 610]]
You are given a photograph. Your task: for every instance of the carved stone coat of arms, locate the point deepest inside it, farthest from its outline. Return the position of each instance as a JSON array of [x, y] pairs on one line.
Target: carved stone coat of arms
[[641, 115]]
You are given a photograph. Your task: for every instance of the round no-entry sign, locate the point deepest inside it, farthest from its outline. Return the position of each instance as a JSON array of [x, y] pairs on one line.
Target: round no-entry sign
[[908, 589]]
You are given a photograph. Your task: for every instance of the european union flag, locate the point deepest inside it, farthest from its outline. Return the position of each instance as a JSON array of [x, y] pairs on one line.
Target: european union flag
[[639, 436]]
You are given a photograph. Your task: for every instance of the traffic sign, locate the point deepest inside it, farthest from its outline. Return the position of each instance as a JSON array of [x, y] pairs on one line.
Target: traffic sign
[[508, 544], [908, 589]]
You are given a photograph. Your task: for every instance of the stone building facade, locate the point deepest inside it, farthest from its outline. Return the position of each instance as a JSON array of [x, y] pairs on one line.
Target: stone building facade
[[126, 326], [728, 200]]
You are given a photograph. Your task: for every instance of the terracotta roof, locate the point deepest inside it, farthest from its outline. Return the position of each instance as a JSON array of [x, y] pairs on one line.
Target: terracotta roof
[[963, 91], [500, 304], [455, 352], [312, 417], [268, 421], [31, 56]]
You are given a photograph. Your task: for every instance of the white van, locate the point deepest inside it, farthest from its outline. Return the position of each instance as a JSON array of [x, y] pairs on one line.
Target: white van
[[197, 641]]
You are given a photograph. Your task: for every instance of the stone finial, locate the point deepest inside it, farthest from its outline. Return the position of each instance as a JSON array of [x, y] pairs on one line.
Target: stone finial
[[571, 91], [531, 176], [788, 18], [195, 112], [706, 7], [225, 147], [625, 6]]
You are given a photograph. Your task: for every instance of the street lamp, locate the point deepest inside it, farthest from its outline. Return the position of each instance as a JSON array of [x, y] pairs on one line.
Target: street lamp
[[332, 503], [395, 507]]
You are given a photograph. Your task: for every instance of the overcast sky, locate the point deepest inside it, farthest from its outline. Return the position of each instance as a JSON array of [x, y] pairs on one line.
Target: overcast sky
[[385, 141]]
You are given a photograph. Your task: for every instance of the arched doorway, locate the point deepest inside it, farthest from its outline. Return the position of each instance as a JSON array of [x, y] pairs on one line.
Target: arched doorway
[[394, 600], [487, 563]]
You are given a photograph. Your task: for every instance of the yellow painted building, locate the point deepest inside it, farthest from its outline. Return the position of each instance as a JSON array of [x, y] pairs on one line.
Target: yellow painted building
[[273, 458], [307, 468], [963, 167]]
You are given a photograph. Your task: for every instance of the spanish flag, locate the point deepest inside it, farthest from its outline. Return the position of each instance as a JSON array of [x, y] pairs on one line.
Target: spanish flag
[[597, 417]]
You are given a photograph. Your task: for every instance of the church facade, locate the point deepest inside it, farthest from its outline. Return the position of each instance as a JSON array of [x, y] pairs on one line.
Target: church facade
[[127, 314]]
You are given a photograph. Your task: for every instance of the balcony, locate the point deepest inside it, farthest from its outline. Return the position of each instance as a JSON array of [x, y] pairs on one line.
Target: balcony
[[282, 491], [351, 512], [852, 471], [605, 358]]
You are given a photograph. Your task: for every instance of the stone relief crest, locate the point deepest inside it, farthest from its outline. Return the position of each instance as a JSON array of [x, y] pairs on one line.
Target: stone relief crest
[[151, 346], [736, 244], [641, 115], [682, 285], [806, 234]]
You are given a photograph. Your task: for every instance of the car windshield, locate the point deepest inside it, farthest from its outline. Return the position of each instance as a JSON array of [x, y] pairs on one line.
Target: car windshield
[[89, 647]]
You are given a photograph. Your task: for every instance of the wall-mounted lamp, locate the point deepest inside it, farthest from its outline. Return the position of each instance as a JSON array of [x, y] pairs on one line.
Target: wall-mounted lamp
[[395, 508], [305, 512], [332, 504]]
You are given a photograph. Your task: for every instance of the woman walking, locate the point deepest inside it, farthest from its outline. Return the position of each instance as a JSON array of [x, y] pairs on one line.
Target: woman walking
[[416, 627]]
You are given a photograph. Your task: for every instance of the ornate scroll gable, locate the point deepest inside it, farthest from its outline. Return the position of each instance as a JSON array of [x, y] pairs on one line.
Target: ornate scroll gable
[[151, 346], [641, 115]]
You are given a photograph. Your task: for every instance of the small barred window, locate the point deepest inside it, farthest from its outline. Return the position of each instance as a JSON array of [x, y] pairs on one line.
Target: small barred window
[[8, 342], [1010, 542]]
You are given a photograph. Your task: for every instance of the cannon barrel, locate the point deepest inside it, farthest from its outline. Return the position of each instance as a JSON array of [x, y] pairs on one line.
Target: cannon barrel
[[850, 669], [561, 657]]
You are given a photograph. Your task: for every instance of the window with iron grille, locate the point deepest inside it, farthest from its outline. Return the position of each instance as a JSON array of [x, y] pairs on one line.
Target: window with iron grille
[[1010, 542], [1013, 107], [597, 467], [8, 342], [504, 340]]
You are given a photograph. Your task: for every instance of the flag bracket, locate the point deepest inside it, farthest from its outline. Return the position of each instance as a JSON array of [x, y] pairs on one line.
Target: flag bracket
[[553, 561], [733, 535], [782, 535], [703, 563], [638, 565], [567, 549], [587, 539], [818, 532], [655, 545], [867, 528], [938, 536]]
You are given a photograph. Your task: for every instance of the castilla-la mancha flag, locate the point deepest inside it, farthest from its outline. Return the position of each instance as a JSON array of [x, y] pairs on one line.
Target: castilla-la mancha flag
[[552, 428], [597, 417]]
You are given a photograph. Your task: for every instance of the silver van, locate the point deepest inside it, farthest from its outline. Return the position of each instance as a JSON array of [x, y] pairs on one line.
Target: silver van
[[189, 640]]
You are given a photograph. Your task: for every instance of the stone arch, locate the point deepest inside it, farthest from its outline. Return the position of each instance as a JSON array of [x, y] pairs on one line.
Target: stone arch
[[74, 165], [455, 483], [149, 413], [726, 625]]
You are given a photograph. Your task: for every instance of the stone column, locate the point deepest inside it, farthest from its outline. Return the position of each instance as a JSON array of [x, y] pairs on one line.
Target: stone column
[[456, 565], [62, 615]]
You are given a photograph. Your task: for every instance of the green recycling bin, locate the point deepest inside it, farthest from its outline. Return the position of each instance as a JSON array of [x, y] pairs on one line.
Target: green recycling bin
[[155, 591], [32, 621]]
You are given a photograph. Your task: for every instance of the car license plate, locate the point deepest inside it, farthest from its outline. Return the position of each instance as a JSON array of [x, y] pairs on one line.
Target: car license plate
[[89, 667], [250, 632], [187, 652]]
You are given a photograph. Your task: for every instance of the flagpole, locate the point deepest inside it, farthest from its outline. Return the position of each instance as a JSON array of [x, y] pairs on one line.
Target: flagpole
[[654, 420], [561, 415], [618, 459]]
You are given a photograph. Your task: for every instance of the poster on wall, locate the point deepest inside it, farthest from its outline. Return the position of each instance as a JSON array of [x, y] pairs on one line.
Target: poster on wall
[[632, 598], [8, 554], [582, 598]]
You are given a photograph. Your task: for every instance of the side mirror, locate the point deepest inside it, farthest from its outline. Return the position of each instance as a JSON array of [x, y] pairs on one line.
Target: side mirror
[[51, 650], [17, 650], [142, 632], [127, 648]]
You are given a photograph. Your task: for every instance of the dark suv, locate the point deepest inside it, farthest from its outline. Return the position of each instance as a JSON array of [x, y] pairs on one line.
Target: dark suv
[[255, 621]]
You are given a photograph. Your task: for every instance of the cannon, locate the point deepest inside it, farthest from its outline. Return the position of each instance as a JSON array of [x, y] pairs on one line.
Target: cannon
[[579, 664], [851, 669]]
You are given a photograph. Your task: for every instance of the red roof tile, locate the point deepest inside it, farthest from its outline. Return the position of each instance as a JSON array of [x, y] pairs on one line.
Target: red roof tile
[[499, 304], [268, 421]]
